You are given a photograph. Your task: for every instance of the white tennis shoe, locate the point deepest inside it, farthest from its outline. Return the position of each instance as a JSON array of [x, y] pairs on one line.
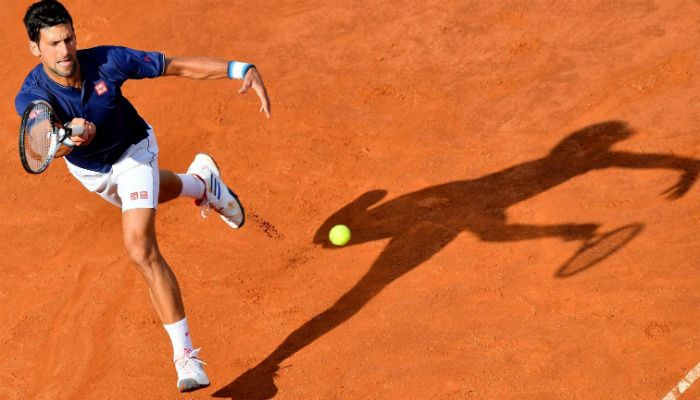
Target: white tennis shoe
[[190, 374], [217, 195]]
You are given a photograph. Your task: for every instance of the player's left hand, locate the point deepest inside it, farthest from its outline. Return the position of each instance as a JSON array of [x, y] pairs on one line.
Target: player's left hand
[[253, 80]]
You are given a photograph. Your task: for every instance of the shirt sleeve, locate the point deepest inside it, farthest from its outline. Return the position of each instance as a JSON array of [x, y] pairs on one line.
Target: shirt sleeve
[[26, 96], [136, 64]]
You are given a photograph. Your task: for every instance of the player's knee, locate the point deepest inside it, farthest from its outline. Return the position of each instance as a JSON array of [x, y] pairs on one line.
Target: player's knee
[[142, 250]]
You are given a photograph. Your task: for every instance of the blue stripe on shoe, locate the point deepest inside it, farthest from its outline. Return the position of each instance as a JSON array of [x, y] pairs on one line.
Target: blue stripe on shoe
[[215, 187]]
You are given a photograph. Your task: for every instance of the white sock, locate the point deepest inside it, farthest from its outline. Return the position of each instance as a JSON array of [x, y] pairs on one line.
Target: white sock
[[191, 186], [179, 336]]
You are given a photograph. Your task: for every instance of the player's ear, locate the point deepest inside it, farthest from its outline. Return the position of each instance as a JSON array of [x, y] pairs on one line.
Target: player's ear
[[34, 48]]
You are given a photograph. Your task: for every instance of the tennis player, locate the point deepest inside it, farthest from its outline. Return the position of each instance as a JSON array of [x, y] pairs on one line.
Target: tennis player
[[117, 156]]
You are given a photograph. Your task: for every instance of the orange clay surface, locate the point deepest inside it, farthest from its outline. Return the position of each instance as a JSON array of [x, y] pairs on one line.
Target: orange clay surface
[[519, 178]]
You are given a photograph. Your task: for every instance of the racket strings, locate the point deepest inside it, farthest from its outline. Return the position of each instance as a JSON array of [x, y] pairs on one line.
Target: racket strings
[[38, 136]]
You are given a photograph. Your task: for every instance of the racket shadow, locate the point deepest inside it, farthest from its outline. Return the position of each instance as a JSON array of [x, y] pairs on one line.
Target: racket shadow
[[598, 249]]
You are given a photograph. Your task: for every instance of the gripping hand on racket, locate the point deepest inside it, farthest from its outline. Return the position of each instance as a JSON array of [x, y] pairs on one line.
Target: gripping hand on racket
[[82, 139]]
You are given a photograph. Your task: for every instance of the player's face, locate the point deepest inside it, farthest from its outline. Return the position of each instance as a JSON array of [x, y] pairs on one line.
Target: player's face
[[58, 50]]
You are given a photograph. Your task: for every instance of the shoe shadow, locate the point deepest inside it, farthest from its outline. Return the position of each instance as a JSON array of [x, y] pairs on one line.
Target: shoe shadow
[[421, 223]]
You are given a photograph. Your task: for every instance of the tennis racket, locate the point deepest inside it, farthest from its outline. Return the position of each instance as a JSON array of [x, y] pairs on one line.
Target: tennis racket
[[40, 135]]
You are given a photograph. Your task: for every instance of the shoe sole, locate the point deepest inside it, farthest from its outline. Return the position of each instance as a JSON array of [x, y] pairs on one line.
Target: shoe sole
[[210, 160], [188, 385], [240, 206]]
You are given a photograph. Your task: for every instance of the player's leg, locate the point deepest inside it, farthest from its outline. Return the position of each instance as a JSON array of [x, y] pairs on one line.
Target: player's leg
[[138, 184], [140, 240], [138, 180], [141, 244]]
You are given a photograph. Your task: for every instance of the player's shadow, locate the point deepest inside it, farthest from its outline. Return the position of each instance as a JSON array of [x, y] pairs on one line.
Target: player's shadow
[[421, 223]]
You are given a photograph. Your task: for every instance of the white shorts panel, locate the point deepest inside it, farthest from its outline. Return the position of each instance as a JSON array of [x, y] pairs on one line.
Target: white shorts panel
[[133, 181]]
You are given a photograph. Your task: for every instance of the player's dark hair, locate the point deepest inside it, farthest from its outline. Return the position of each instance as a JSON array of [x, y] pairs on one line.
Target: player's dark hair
[[45, 14]]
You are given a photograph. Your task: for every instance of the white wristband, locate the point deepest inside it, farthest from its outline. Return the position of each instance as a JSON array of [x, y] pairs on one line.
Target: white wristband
[[237, 70]]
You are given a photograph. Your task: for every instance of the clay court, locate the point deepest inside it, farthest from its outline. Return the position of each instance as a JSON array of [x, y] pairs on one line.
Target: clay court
[[520, 179]]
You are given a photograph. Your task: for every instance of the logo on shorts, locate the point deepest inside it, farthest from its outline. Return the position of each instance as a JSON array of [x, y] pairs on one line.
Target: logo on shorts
[[143, 195], [147, 58], [101, 88]]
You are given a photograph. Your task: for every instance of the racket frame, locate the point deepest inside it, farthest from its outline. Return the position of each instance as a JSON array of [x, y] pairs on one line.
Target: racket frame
[[59, 135]]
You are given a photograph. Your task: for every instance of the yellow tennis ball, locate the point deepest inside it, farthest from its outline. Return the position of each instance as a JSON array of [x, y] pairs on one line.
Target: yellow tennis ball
[[339, 235]]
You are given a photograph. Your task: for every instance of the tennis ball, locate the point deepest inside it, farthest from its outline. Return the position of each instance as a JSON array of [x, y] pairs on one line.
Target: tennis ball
[[339, 235]]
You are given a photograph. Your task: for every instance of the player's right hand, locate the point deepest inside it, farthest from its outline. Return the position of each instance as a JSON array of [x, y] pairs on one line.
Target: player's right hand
[[88, 132]]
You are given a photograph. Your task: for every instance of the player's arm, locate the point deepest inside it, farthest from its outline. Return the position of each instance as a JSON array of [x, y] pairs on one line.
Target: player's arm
[[216, 68]]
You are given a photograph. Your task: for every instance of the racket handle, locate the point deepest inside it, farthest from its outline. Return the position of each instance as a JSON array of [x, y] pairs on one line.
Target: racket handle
[[76, 130], [69, 131]]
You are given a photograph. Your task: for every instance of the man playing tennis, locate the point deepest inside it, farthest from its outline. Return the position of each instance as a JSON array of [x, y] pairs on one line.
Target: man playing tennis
[[117, 156]]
